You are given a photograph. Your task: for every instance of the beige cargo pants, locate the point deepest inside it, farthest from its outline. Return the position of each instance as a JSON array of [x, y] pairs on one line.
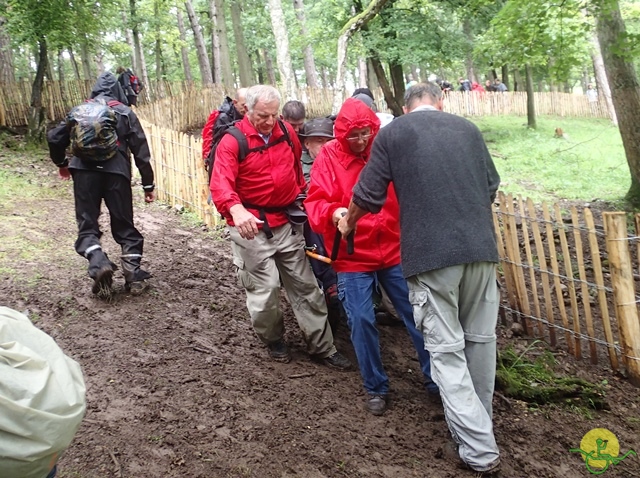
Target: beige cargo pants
[[262, 263]]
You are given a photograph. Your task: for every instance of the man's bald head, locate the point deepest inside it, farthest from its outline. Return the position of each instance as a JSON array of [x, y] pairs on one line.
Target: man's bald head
[[240, 101]]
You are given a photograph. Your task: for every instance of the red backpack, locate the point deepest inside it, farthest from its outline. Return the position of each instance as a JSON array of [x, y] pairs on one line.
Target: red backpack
[[135, 84]]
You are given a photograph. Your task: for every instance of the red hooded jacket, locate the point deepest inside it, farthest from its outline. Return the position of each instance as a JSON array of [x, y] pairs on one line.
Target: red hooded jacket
[[271, 178], [334, 173]]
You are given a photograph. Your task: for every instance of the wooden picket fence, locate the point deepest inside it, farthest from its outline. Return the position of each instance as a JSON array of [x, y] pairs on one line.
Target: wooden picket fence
[[183, 106], [569, 278]]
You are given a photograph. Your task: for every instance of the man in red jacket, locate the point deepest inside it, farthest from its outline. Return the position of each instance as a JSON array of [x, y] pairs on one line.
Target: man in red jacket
[[256, 196], [376, 256]]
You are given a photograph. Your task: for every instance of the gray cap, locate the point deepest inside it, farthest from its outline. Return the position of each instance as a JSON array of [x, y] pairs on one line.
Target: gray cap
[[322, 127], [366, 99]]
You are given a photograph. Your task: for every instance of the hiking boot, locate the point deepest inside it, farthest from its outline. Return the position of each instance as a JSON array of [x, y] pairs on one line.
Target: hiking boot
[[449, 451], [337, 361], [385, 318], [103, 281], [376, 404], [279, 351], [137, 287]]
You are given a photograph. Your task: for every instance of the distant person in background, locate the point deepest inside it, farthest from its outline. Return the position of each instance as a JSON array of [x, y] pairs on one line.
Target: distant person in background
[[489, 86], [130, 84], [293, 112], [475, 86], [499, 85], [365, 95], [592, 96], [465, 85], [231, 111], [42, 399], [410, 81]]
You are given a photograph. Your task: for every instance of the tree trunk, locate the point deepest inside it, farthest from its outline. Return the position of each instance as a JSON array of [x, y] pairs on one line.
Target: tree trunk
[[225, 56], [7, 72], [215, 44], [601, 79], [259, 68], [271, 72], [352, 26], [183, 48], [74, 63], [468, 59], [531, 108], [362, 73], [128, 33], [61, 75], [86, 59], [160, 73], [372, 79], [517, 81], [203, 59], [244, 61], [397, 79], [282, 48], [625, 91], [135, 36], [49, 71], [505, 77], [37, 118], [309, 61], [416, 74], [392, 104], [99, 60]]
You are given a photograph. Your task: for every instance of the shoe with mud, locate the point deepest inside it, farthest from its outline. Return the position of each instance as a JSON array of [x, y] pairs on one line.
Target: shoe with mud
[[136, 288], [279, 351], [376, 404], [102, 281], [337, 361], [449, 451]]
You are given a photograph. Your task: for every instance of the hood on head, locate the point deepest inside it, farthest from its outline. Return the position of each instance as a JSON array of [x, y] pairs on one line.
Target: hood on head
[[108, 85], [355, 114]]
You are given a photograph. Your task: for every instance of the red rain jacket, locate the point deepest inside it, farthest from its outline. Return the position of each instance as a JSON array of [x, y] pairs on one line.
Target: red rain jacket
[[334, 173], [271, 178]]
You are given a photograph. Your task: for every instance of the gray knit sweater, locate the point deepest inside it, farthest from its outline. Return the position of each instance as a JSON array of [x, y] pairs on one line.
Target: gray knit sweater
[[445, 180]]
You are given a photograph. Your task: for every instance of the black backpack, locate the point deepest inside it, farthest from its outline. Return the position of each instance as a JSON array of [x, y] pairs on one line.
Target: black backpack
[[92, 130], [243, 145]]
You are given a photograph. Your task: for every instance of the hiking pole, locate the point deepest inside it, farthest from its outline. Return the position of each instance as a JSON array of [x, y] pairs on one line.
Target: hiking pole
[[318, 257]]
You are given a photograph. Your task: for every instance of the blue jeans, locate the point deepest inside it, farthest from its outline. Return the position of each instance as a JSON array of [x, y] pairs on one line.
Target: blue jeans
[[356, 293]]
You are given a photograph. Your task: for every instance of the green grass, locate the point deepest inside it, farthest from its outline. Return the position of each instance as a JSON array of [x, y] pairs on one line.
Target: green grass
[[589, 165]]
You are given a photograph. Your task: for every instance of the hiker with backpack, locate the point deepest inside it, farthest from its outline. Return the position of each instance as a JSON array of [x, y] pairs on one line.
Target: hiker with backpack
[[375, 254], [130, 84], [257, 185], [102, 132], [231, 111]]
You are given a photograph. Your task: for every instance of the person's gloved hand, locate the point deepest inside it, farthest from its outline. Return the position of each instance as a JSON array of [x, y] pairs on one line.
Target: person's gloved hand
[[64, 173]]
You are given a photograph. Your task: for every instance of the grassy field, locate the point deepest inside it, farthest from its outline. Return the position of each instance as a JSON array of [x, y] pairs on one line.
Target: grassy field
[[590, 164]]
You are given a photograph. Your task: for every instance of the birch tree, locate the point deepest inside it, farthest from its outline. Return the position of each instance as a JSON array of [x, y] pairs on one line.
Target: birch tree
[[283, 56], [215, 44], [186, 65], [244, 62], [601, 79], [351, 27], [203, 59], [309, 61]]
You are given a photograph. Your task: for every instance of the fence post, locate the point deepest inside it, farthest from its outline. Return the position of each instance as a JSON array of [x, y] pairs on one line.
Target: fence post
[[624, 292]]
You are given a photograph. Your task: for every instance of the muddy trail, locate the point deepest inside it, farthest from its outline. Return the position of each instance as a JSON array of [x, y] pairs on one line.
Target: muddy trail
[[179, 386]]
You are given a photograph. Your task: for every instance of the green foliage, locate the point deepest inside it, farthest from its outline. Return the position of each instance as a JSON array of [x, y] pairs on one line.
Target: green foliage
[[589, 165], [534, 381]]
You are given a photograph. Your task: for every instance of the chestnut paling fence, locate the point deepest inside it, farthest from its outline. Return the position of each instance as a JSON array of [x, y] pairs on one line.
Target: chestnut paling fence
[[183, 105]]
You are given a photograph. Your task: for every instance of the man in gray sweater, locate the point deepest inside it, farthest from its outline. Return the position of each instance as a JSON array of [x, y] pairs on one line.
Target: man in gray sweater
[[446, 182]]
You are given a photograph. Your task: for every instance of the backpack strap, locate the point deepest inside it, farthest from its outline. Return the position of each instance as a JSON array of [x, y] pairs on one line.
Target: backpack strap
[[243, 146]]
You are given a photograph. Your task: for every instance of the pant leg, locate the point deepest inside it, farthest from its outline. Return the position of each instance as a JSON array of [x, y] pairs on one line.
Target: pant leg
[[435, 297], [87, 192], [258, 275], [356, 293], [119, 200], [395, 286], [305, 297], [479, 303]]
